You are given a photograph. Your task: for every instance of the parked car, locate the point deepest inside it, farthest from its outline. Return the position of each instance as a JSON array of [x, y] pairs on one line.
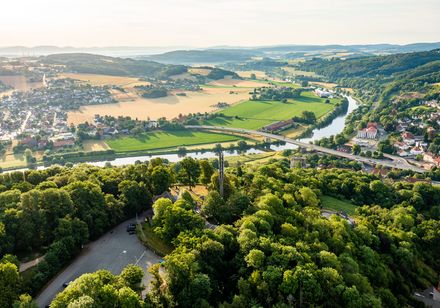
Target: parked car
[[66, 284], [131, 227]]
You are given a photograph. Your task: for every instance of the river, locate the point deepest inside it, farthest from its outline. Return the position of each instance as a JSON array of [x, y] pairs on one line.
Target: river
[[335, 127]]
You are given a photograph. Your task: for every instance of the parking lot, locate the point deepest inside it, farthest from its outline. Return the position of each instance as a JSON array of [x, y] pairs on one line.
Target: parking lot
[[113, 251]]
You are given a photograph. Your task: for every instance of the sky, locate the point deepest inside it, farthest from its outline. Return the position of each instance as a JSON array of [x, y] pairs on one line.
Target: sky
[[203, 23]]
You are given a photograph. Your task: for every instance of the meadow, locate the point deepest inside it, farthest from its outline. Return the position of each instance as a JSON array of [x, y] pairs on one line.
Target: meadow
[[256, 114], [338, 205], [168, 139]]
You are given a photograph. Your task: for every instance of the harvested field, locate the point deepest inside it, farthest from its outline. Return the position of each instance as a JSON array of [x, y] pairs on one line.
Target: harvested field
[[247, 74], [327, 85], [170, 107], [19, 82], [101, 80], [199, 71], [228, 82], [95, 145]]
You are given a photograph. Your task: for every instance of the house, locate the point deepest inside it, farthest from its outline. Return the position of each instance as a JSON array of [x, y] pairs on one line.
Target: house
[[408, 138], [368, 133], [416, 150], [401, 127], [323, 93], [401, 146], [298, 161], [278, 126], [63, 143]]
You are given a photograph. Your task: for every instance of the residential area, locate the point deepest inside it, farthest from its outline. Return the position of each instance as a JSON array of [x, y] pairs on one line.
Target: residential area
[[415, 137]]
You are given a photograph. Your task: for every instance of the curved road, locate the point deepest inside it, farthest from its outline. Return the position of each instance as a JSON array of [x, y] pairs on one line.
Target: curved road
[[112, 251], [397, 162]]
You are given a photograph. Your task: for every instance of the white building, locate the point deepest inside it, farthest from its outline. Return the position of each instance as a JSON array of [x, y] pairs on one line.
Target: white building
[[367, 133], [323, 93]]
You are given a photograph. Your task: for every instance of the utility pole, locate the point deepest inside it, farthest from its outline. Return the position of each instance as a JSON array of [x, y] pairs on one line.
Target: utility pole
[[221, 171]]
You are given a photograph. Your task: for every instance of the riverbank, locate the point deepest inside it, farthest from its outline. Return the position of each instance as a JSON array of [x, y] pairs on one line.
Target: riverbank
[[201, 151]]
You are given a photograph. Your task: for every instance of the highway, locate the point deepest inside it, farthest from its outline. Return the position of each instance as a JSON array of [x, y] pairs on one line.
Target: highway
[[397, 162], [113, 251]]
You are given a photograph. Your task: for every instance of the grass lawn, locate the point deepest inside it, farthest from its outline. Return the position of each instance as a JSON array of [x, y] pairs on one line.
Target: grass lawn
[[251, 158], [337, 205], [256, 114], [168, 139], [151, 240]]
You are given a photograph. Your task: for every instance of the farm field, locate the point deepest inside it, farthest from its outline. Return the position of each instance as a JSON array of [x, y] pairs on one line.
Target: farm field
[[101, 80], [227, 82], [169, 139], [338, 205], [169, 107], [247, 74], [256, 114], [95, 145], [19, 82]]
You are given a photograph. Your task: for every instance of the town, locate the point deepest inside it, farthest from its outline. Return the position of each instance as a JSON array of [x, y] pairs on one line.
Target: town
[[37, 119]]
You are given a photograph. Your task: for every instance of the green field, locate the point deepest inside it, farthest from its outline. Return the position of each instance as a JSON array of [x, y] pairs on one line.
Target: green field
[[169, 139], [337, 205], [256, 114]]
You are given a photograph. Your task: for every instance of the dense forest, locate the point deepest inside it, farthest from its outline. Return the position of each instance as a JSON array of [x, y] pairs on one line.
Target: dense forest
[[271, 246]]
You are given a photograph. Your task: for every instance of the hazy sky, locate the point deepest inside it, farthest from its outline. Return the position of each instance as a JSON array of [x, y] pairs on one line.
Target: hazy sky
[[85, 23]]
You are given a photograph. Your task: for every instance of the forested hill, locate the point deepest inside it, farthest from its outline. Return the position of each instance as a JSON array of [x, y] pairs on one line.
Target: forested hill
[[379, 78], [97, 64], [203, 56], [426, 61]]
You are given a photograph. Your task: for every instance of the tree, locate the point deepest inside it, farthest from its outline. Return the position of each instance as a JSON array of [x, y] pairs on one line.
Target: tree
[[214, 209], [160, 179], [131, 276], [9, 284], [189, 172], [308, 197], [25, 301], [253, 76], [29, 157], [356, 149], [135, 196], [309, 117], [207, 171], [255, 258]]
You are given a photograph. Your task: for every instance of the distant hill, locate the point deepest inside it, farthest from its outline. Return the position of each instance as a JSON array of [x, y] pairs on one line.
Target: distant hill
[[186, 55], [223, 54], [203, 56], [97, 64]]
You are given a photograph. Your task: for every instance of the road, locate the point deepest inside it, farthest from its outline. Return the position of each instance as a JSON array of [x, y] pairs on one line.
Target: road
[[113, 251], [396, 162]]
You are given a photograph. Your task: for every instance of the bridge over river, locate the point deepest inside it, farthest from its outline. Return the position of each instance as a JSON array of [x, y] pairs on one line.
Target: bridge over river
[[394, 162]]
